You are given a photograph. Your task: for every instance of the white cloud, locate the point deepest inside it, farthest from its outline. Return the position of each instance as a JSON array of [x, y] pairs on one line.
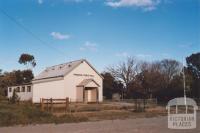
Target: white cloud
[[89, 46], [40, 1], [59, 36], [123, 54], [147, 5], [77, 1], [143, 56]]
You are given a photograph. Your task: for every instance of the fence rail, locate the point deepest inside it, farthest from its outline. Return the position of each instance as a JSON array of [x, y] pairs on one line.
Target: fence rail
[[140, 104], [49, 104], [4, 99], [151, 101]]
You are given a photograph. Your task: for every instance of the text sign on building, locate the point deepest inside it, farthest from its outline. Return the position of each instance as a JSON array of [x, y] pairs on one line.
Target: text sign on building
[[85, 75]]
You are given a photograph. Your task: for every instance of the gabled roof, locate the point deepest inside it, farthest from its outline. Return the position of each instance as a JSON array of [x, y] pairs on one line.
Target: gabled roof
[[85, 82], [61, 70]]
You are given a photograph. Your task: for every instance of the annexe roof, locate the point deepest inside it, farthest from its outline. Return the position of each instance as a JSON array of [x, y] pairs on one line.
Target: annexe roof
[[60, 70], [85, 82], [24, 84]]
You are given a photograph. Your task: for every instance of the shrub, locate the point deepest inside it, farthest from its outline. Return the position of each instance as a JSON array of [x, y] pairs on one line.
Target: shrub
[[15, 98]]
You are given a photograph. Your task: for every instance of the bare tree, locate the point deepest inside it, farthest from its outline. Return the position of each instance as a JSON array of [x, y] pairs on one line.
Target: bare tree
[[170, 68], [125, 71], [150, 78]]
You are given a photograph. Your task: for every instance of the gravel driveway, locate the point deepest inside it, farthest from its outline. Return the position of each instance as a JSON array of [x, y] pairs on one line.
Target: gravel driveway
[[140, 125]]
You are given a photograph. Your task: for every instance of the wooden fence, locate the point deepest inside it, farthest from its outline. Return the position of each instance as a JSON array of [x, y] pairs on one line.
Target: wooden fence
[[49, 104], [140, 104], [4, 100]]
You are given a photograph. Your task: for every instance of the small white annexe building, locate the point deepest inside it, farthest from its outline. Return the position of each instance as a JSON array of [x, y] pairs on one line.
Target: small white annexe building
[[77, 80]]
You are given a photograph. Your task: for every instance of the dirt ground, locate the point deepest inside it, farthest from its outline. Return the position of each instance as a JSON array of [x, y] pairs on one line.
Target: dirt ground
[[138, 125]]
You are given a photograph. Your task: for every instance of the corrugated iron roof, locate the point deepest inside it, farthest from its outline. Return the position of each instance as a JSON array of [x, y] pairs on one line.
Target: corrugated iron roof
[[58, 70]]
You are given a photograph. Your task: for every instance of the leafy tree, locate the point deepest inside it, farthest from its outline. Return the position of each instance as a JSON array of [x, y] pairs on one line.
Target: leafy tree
[[17, 77], [27, 60], [193, 63], [15, 98], [0, 72], [7, 79], [193, 69], [27, 76], [14, 78], [110, 86]]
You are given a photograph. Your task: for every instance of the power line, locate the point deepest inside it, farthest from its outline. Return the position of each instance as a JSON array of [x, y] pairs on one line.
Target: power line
[[30, 32]]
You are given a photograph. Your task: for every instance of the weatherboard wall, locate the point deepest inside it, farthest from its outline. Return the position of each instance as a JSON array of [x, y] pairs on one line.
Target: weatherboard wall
[[75, 77]]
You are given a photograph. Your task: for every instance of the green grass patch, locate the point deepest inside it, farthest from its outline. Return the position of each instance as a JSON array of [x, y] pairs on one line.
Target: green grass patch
[[23, 114]]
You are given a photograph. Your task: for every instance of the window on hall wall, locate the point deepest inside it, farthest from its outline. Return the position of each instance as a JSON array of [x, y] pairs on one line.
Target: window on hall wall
[[18, 89], [28, 88], [23, 88], [10, 89]]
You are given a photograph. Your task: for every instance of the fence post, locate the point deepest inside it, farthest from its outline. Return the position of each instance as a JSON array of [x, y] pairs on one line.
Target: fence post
[[67, 105], [47, 105], [136, 105], [75, 108], [42, 104], [144, 102], [139, 105], [156, 101], [51, 101]]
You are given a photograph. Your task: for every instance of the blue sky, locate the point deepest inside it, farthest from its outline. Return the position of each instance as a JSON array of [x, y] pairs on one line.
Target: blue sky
[[101, 31]]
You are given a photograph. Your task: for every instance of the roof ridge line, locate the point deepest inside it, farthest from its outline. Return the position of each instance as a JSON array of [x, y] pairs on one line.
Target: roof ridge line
[[66, 63]]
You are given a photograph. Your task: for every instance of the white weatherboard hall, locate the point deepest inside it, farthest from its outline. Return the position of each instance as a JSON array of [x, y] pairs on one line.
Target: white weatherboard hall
[[77, 80]]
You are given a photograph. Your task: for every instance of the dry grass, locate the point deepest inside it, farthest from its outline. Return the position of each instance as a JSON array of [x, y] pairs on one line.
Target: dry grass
[[81, 107], [110, 114], [118, 114], [26, 113]]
